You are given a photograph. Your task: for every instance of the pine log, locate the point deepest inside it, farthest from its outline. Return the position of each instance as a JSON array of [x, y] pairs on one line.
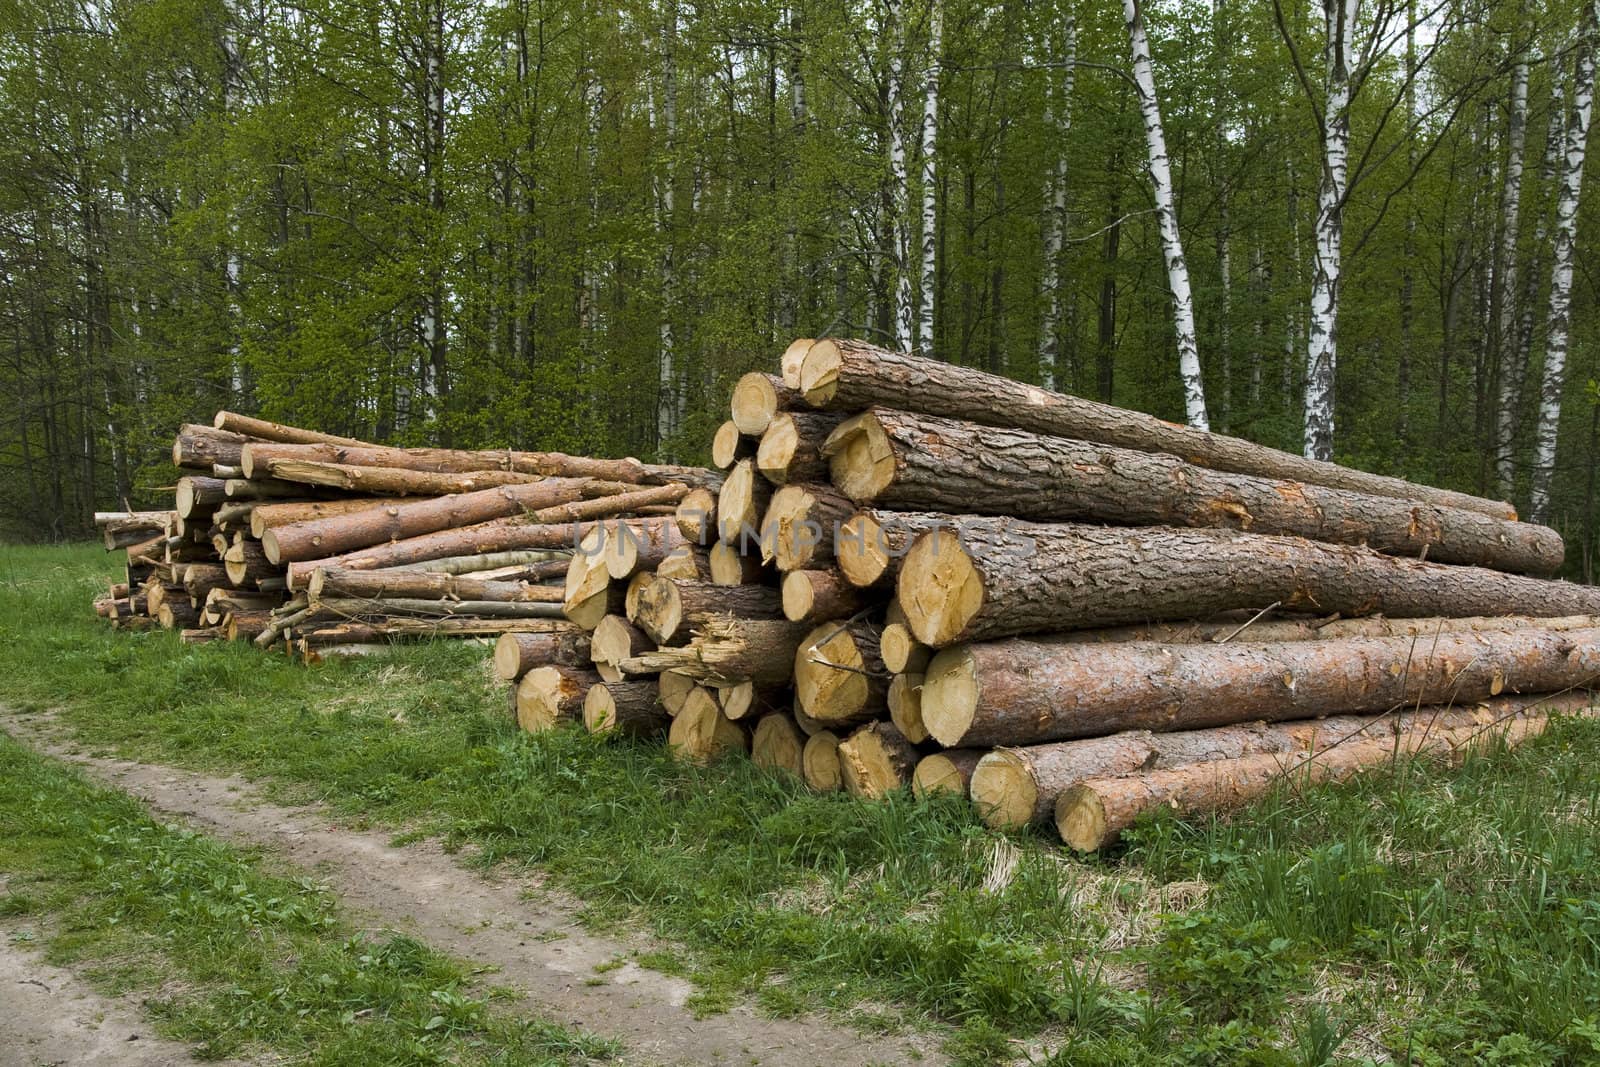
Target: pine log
[[801, 526], [615, 640], [245, 625], [1022, 692], [1093, 814], [379, 607], [696, 516], [729, 446], [240, 490], [1013, 787], [790, 362], [131, 528], [629, 708], [700, 732], [264, 517], [919, 462], [176, 614], [500, 535], [903, 653], [667, 609], [424, 585], [631, 547], [1002, 576], [549, 696], [746, 700], [605, 501], [791, 448], [852, 375], [1272, 630], [756, 398], [517, 654], [274, 431], [949, 771], [247, 564], [838, 675], [687, 562], [778, 744], [727, 651], [674, 687], [819, 596], [203, 447], [729, 566], [392, 481], [905, 707], [448, 461], [199, 579], [198, 495], [740, 505], [589, 594], [200, 635], [872, 544], [392, 627], [819, 762], [876, 760], [548, 563]]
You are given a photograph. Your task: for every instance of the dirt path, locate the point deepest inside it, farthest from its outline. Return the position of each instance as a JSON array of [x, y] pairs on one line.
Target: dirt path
[[50, 1017], [524, 931]]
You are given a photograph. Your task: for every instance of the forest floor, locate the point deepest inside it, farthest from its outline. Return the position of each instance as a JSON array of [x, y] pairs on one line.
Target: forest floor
[[367, 861]]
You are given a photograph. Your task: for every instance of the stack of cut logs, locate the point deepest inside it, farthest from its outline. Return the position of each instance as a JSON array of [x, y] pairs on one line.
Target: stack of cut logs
[[332, 546], [915, 574]]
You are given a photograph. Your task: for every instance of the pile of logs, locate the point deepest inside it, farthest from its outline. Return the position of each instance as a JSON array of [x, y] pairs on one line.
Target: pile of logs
[[331, 546], [918, 575]]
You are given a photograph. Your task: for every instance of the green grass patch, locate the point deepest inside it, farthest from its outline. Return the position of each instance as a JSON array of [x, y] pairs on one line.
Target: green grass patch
[[242, 960], [1447, 916]]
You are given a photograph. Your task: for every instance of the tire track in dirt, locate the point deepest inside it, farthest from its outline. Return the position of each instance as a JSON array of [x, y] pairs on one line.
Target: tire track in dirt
[[523, 930]]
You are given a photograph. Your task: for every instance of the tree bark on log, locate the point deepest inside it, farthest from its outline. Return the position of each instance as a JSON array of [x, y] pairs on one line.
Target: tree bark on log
[[392, 481], [1094, 813], [778, 744], [918, 462], [791, 448], [498, 536], [337, 534], [876, 760], [801, 526], [872, 544], [949, 771], [1270, 631], [203, 447], [379, 608], [263, 430], [819, 596], [838, 675], [819, 762], [667, 609], [517, 654], [629, 708], [852, 375], [756, 398], [726, 651], [425, 585], [549, 696], [1021, 692], [258, 457], [264, 517], [999, 577]]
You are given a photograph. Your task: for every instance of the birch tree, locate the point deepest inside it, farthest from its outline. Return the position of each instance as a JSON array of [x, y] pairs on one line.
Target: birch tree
[[669, 415], [1194, 396], [930, 199], [898, 229], [1558, 321], [1058, 119], [1505, 293]]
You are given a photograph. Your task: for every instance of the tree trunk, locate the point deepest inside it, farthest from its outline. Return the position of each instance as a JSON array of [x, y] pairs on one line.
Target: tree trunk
[[930, 173], [1022, 692], [851, 375], [1093, 813], [424, 585], [201, 448], [819, 596], [273, 431], [791, 448], [256, 458], [898, 460], [264, 517], [376, 608], [1000, 577], [876, 760], [1194, 396], [630, 708], [1506, 288], [1058, 117], [1270, 631], [1559, 325], [729, 651], [516, 654], [668, 609]]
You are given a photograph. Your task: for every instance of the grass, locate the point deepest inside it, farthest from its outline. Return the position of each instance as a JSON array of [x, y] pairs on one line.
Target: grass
[[1440, 917], [244, 961]]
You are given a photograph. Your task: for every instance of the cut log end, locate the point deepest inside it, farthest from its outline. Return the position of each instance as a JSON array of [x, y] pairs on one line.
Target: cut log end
[[739, 505], [1003, 790], [819, 762], [547, 696], [599, 710], [950, 695], [729, 566], [798, 596], [696, 515], [876, 760], [754, 402], [944, 772], [860, 458], [905, 707], [659, 610], [940, 589], [507, 653], [674, 688], [789, 363], [903, 653], [778, 744], [700, 731], [777, 448], [727, 446], [819, 373], [1081, 819], [829, 674], [861, 552]]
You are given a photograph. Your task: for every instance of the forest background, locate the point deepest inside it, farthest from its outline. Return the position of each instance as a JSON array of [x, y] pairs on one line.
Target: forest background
[[1356, 228]]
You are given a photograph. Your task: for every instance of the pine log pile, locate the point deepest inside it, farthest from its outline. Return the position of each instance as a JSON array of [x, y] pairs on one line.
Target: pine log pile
[[918, 576], [326, 546]]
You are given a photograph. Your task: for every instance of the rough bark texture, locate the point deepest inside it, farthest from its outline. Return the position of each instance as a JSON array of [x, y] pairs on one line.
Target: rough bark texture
[[876, 760], [1269, 630], [791, 449], [630, 708], [1022, 692], [497, 536], [203, 447], [425, 585], [872, 544], [548, 696], [264, 517], [389, 480], [1003, 577], [1093, 813], [446, 461], [667, 609], [337, 534], [838, 675], [727, 651], [898, 460], [949, 771], [818, 596], [852, 375], [274, 431], [517, 654]]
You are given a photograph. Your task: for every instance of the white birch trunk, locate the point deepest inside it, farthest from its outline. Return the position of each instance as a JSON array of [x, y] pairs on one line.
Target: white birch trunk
[[1322, 346], [930, 199], [1058, 118], [1566, 228], [899, 182], [668, 393], [1506, 287], [1194, 396]]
